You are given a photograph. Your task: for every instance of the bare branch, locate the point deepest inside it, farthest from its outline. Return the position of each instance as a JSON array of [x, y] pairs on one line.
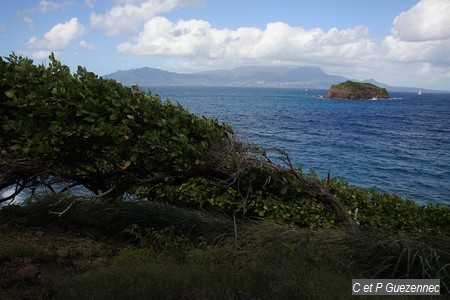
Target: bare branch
[[18, 190], [65, 210]]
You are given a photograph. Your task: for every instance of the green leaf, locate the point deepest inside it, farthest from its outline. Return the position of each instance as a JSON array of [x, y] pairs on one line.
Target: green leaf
[[15, 147], [10, 94], [89, 119]]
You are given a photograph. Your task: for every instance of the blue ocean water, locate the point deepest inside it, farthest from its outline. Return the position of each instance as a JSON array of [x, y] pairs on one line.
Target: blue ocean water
[[401, 145]]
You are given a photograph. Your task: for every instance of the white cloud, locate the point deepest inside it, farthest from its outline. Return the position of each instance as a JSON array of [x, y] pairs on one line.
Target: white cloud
[[47, 5], [41, 54], [425, 69], [194, 45], [428, 20], [29, 22], [278, 43], [87, 46], [127, 16], [421, 34], [89, 3], [435, 52], [419, 43], [59, 37]]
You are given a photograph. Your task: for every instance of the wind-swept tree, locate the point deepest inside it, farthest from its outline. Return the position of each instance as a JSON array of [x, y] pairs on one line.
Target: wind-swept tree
[[80, 129], [63, 129]]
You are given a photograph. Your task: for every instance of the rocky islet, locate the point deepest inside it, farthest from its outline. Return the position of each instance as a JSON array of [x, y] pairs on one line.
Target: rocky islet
[[356, 90]]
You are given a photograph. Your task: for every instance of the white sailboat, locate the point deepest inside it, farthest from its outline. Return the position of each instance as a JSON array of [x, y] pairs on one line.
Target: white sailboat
[[419, 93]]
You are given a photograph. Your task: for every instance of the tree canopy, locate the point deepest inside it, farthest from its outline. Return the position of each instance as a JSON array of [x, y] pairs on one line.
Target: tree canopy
[[97, 133]]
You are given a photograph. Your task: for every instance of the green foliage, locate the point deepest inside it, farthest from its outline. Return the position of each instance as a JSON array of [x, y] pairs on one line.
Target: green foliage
[[269, 202], [357, 86], [92, 131], [389, 211], [159, 240], [101, 218]]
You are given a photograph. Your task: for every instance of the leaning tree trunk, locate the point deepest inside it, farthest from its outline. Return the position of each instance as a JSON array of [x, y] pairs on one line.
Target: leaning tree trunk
[[238, 158], [329, 199], [314, 190]]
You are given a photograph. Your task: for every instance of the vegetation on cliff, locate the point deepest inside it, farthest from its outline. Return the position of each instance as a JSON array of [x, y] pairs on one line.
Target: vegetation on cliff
[[202, 201], [61, 131], [356, 90]]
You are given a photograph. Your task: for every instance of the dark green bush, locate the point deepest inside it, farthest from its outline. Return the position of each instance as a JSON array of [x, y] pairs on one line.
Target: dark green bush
[[390, 211], [87, 130]]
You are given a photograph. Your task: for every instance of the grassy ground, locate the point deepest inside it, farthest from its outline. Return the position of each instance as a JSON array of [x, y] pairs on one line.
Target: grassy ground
[[155, 251]]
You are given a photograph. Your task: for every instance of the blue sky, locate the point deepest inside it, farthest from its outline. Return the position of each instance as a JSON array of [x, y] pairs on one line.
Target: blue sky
[[400, 42]]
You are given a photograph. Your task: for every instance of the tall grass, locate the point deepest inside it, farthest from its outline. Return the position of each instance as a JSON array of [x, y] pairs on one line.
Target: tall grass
[[378, 254], [267, 264], [111, 218], [190, 254]]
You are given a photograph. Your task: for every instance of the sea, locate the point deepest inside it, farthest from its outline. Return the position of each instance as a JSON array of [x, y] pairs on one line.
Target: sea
[[400, 145]]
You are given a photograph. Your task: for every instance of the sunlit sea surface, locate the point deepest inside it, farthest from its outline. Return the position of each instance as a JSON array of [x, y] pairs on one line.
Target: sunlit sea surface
[[401, 145]]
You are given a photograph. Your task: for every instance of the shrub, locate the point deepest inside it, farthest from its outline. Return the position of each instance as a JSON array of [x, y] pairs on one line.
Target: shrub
[[82, 129]]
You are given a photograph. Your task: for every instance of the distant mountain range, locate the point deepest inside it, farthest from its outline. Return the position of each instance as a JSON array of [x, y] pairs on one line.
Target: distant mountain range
[[294, 77]]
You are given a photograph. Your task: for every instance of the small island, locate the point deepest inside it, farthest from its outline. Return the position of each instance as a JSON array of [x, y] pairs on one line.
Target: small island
[[356, 90]]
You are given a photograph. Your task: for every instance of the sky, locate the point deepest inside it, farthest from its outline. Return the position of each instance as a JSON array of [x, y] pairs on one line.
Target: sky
[[397, 42]]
